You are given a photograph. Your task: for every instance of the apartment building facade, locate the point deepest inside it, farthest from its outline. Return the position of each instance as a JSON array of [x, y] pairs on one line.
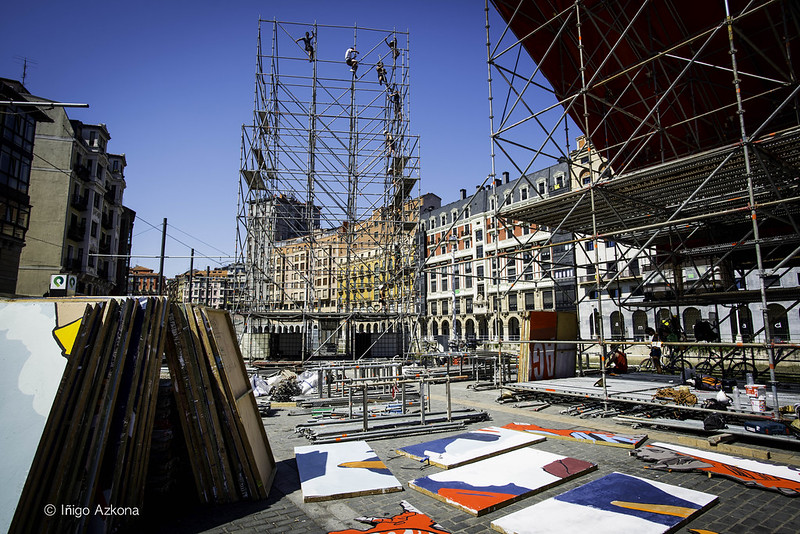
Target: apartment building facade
[[216, 288], [78, 222], [483, 273], [18, 124]]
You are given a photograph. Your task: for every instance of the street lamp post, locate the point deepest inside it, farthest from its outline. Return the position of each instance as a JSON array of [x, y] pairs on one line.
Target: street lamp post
[[454, 247]]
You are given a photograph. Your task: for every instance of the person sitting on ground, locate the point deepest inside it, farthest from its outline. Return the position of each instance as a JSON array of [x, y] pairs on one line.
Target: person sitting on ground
[[618, 362]]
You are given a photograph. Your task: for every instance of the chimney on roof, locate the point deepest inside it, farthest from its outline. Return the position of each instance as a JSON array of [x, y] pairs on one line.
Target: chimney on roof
[[463, 194], [505, 176], [478, 188], [498, 182]]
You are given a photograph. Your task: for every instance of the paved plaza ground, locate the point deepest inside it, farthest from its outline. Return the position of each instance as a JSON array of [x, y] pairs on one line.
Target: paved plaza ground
[[739, 510]]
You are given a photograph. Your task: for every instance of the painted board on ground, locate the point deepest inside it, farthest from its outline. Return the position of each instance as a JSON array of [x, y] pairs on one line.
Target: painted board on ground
[[410, 520], [340, 470], [587, 436], [467, 447], [611, 504], [35, 341], [484, 486], [782, 478]]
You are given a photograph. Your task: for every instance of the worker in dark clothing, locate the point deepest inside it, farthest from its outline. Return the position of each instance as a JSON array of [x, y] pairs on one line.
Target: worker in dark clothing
[[393, 46], [379, 68], [394, 95], [308, 44]]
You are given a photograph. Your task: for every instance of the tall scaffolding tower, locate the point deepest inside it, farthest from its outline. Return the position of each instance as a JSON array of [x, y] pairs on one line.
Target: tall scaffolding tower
[[685, 181], [328, 194]]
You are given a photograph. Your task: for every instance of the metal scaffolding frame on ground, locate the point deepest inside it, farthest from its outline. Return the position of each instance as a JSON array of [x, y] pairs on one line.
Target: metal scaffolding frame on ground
[[328, 195], [685, 172]]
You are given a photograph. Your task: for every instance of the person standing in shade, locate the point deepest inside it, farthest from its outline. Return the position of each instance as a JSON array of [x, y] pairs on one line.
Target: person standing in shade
[[655, 349]]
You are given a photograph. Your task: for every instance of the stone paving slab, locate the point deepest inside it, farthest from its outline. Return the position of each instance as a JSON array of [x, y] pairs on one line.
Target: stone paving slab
[[740, 509]]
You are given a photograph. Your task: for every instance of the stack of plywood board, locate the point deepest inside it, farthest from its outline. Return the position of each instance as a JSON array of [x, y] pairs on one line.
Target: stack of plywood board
[[231, 458], [79, 392]]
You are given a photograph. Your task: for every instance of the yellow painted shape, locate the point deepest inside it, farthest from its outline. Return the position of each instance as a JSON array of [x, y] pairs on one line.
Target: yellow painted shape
[[66, 335], [663, 509], [367, 464]]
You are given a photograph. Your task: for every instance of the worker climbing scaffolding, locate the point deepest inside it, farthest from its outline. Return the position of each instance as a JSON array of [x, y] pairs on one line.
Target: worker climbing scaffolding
[[308, 44], [350, 59]]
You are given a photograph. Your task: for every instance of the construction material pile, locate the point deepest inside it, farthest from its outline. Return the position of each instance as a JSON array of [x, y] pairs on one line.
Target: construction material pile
[[81, 399]]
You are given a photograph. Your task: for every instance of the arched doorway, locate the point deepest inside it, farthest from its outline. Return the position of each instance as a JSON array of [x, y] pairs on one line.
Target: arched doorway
[[445, 328], [639, 325], [470, 329], [434, 328], [745, 321], [483, 329], [513, 329], [778, 322], [691, 316], [617, 325], [594, 324]]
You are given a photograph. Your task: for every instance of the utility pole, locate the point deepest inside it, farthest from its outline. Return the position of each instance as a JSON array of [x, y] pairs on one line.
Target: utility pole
[[161, 264], [191, 275]]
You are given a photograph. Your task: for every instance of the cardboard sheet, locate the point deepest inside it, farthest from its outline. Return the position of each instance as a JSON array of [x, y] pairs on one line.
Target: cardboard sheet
[[467, 447], [487, 485], [612, 504], [339, 470]]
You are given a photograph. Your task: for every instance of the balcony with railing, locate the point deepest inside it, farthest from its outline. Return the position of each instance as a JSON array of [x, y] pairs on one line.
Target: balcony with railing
[[80, 202], [82, 172], [111, 196], [106, 221], [76, 232]]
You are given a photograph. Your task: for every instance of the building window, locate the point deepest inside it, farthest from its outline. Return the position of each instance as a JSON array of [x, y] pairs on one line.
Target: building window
[[444, 220], [511, 269], [589, 245], [512, 302], [478, 236], [530, 300], [433, 308], [468, 305], [94, 228], [541, 186], [523, 193], [547, 300], [479, 251], [480, 272], [433, 284], [444, 307], [480, 291]]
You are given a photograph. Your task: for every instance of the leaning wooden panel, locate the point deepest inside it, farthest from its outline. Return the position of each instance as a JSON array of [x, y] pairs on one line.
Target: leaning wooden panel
[[182, 364], [241, 453], [33, 363], [232, 367], [174, 355], [217, 428]]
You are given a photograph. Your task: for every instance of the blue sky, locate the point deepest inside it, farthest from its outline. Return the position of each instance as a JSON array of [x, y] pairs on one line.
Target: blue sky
[[173, 81]]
